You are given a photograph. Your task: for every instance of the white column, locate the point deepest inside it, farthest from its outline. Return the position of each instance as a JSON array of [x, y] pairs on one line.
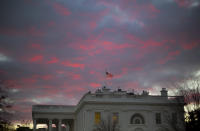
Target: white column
[[34, 124], [50, 125], [75, 124], [67, 126], [59, 125]]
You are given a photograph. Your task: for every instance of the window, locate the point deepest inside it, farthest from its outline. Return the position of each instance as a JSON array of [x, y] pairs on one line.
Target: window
[[137, 119], [158, 118], [115, 117], [97, 117], [174, 117]]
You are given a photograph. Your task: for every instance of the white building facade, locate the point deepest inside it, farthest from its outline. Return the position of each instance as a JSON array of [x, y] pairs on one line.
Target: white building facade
[[127, 111]]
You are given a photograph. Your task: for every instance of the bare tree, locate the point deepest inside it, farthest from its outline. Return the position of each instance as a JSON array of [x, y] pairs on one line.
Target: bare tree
[[190, 91], [26, 123], [5, 105]]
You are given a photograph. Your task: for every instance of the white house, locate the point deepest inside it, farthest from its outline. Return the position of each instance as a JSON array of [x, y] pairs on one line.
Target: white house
[[129, 112]]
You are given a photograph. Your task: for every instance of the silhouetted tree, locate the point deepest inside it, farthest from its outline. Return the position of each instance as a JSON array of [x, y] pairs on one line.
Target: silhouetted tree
[[193, 120], [26, 123], [5, 105], [190, 90]]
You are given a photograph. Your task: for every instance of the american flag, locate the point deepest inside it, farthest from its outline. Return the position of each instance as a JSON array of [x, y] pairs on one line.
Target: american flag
[[109, 75]]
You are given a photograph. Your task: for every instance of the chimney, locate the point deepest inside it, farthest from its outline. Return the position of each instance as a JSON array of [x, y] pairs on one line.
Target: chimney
[[164, 92]]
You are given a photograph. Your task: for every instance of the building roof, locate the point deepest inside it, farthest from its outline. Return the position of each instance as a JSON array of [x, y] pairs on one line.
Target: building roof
[[53, 108], [106, 96]]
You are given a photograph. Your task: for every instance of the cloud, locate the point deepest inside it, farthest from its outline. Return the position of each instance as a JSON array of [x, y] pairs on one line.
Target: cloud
[[170, 56], [4, 58], [36, 58], [73, 65], [95, 85], [58, 50], [36, 46], [53, 60], [187, 3], [39, 100], [61, 9]]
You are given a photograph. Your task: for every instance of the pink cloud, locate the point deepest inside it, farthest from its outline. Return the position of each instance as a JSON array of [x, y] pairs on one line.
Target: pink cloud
[[74, 89], [36, 46], [189, 46], [152, 8], [74, 76], [28, 80], [36, 58], [73, 65], [80, 58], [35, 31], [94, 45], [144, 43], [144, 47], [95, 85], [151, 43], [60, 72], [94, 17], [86, 47], [100, 76], [92, 72], [53, 60], [9, 31], [11, 83], [51, 23], [138, 69], [170, 56], [48, 87], [3, 72], [124, 71], [52, 91], [24, 32], [114, 48], [183, 3], [61, 9], [85, 44], [93, 24], [47, 77]]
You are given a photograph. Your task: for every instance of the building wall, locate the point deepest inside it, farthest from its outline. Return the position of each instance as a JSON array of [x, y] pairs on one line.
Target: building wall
[[86, 116], [79, 120]]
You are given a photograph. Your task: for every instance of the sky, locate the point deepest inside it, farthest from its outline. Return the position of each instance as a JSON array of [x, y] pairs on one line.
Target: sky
[[54, 51]]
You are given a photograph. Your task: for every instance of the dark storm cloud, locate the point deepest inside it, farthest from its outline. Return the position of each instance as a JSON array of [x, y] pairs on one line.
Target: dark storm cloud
[[53, 51], [23, 14]]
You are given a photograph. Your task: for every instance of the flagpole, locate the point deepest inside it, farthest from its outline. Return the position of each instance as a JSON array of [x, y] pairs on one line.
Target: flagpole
[[109, 77], [106, 84]]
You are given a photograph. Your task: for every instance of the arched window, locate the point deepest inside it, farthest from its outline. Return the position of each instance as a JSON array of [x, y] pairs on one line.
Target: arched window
[[137, 119]]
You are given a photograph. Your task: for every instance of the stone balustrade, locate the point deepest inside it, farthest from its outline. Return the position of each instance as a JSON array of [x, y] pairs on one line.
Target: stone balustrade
[[58, 123]]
